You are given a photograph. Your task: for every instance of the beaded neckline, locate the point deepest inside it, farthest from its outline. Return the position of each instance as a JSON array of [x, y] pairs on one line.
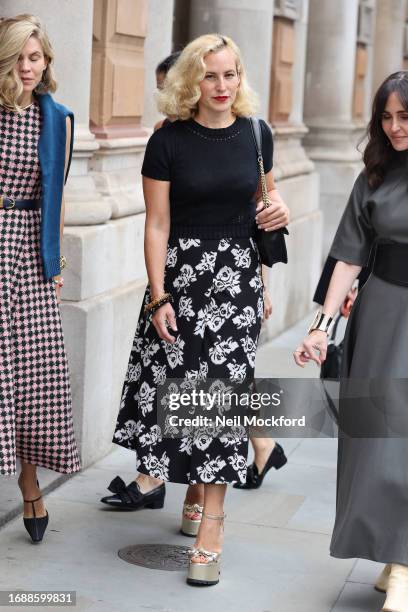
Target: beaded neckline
[[215, 133]]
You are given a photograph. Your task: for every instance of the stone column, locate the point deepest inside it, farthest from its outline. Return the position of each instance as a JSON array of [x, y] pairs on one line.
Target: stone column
[[181, 24], [389, 39], [157, 47], [366, 39], [244, 21], [364, 61], [298, 182], [329, 95]]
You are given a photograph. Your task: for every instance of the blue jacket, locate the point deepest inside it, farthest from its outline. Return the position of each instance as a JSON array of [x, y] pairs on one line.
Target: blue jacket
[[51, 154]]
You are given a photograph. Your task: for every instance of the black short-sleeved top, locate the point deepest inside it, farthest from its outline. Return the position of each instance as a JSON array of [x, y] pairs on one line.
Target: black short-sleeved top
[[213, 175]]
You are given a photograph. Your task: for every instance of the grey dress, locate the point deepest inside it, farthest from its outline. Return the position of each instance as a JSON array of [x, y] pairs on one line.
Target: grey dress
[[372, 485]]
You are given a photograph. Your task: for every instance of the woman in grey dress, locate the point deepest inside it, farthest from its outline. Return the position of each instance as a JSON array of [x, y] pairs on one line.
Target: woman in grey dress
[[372, 488]]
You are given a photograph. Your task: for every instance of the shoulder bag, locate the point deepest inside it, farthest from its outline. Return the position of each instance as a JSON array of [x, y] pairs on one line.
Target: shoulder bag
[[271, 245]]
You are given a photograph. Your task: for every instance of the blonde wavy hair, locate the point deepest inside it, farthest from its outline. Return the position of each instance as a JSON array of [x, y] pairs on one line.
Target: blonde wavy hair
[[14, 33], [181, 92]]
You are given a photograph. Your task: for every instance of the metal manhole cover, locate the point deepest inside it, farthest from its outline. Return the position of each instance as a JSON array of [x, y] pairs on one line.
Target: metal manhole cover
[[156, 556]]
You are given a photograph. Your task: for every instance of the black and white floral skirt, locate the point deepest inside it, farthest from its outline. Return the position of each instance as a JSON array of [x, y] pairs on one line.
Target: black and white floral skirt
[[218, 300]]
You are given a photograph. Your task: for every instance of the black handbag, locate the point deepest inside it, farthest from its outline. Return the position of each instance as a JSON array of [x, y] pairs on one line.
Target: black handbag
[[331, 367], [271, 245]]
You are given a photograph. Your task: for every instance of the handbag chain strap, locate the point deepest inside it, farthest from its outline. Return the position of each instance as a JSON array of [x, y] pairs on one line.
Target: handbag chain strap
[[265, 197], [257, 135]]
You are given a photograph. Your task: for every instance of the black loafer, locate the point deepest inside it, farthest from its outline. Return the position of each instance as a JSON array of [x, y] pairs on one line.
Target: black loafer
[[276, 459], [130, 497]]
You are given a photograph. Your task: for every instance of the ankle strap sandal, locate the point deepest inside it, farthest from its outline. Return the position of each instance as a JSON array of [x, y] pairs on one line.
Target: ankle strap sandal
[[216, 517], [207, 572]]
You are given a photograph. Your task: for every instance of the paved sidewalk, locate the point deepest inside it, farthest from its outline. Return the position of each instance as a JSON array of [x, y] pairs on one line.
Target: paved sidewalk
[[276, 539]]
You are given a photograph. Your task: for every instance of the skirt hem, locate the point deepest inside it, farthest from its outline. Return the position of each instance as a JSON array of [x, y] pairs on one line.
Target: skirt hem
[[41, 464], [368, 557], [142, 470]]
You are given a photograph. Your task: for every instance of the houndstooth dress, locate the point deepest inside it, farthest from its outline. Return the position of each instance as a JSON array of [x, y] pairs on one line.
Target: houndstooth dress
[[35, 400], [217, 288]]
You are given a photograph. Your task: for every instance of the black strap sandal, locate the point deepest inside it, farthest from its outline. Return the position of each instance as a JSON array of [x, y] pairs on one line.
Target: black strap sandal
[[130, 497], [254, 479]]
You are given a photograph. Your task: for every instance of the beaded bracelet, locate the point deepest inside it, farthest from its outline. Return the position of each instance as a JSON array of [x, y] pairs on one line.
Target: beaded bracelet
[[155, 304]]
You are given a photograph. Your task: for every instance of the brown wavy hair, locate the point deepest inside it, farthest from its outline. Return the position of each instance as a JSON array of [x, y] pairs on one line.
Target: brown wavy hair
[[14, 33], [379, 154]]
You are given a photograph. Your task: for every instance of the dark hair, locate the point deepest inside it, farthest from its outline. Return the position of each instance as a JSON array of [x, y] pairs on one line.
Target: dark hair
[[378, 153], [168, 62]]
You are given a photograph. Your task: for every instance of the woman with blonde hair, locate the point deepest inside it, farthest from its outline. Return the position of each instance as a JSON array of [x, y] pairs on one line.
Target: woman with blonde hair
[[35, 152], [203, 306]]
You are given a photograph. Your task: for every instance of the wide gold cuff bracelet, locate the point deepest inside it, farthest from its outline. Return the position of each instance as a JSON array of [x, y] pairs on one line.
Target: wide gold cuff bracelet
[[321, 322]]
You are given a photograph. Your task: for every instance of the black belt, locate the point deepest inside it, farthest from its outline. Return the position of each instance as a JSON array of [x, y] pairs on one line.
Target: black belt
[[390, 263], [11, 204]]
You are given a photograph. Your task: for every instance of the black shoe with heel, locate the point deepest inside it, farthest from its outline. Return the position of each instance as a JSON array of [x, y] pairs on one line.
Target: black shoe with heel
[[130, 497], [254, 479], [36, 525]]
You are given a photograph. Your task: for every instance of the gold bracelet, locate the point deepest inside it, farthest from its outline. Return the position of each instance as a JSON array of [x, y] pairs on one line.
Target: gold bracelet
[[63, 262], [321, 322]]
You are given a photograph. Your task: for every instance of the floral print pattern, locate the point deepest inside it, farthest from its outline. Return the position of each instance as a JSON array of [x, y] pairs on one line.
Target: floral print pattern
[[218, 301]]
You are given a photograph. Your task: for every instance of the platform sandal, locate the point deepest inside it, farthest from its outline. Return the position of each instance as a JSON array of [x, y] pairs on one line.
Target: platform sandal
[[189, 525], [205, 573]]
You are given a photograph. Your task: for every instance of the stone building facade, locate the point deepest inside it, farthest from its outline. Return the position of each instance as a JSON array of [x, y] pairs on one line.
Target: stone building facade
[[314, 63]]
